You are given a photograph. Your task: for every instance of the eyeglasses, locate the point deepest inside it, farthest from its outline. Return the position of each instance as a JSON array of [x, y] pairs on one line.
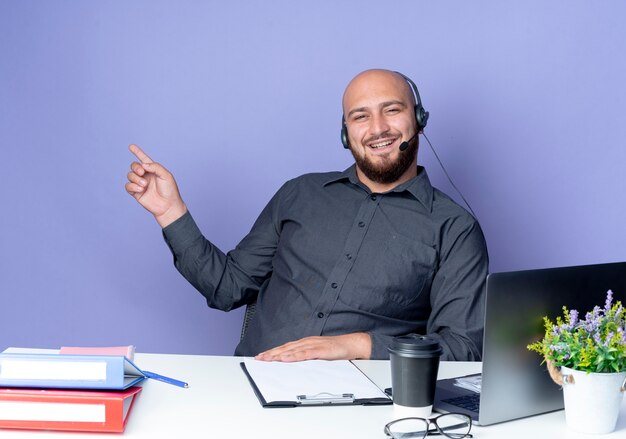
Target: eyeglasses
[[452, 425]]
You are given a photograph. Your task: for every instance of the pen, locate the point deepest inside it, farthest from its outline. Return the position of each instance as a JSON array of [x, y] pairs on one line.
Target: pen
[[168, 380]]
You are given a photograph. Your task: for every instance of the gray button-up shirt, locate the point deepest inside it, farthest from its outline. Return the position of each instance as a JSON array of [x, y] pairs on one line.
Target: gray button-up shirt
[[328, 257]]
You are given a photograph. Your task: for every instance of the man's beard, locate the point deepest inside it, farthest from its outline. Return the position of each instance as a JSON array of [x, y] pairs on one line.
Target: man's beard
[[386, 171]]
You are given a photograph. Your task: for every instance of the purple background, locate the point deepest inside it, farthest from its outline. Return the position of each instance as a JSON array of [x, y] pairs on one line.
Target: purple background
[[527, 111]]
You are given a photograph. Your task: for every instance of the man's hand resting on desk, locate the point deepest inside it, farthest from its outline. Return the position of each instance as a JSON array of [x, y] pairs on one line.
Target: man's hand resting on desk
[[340, 347], [154, 188]]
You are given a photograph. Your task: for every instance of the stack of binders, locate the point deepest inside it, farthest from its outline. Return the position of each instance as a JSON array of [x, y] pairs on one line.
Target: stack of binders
[[52, 391]]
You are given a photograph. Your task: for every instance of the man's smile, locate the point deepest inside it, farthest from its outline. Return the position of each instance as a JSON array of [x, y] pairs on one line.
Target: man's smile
[[381, 145]]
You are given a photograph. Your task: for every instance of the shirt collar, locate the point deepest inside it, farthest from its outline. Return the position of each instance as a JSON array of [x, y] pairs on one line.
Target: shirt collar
[[419, 186]]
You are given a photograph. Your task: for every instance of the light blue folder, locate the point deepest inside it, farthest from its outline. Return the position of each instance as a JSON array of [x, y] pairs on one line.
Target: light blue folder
[[66, 371]]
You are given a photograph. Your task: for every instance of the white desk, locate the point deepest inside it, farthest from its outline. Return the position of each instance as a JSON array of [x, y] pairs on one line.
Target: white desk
[[165, 411]]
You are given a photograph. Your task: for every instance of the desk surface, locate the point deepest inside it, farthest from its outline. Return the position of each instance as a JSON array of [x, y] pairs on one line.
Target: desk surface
[[165, 411]]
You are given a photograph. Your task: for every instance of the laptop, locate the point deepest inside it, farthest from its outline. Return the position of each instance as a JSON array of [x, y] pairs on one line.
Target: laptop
[[514, 382]]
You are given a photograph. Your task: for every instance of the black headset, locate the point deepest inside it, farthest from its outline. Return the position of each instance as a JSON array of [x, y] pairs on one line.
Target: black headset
[[421, 115]]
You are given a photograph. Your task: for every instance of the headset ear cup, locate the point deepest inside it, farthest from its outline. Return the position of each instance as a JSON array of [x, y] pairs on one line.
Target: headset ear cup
[[421, 116], [344, 135]]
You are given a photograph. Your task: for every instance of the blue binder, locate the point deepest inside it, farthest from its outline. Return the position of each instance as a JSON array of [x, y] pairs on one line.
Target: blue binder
[[112, 372]]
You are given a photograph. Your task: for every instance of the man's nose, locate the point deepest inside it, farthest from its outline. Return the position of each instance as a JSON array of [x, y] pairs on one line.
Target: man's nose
[[379, 125]]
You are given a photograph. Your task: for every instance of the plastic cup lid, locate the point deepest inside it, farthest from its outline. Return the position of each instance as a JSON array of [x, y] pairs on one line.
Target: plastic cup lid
[[416, 346]]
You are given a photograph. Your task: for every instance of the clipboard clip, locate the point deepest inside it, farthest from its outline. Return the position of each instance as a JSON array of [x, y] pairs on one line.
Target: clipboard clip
[[326, 398]]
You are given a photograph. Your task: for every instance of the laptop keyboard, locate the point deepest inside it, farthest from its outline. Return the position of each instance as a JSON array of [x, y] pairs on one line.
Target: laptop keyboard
[[468, 402]]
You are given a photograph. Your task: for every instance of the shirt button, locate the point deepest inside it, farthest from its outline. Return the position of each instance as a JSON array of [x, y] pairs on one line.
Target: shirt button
[[373, 197], [361, 224], [320, 315], [333, 285], [349, 256]]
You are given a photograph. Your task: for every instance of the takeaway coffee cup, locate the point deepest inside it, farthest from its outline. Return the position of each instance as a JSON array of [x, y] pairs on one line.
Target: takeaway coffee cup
[[414, 365]]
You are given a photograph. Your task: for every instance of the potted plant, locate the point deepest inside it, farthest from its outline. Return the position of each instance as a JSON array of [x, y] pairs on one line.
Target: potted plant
[[588, 358]]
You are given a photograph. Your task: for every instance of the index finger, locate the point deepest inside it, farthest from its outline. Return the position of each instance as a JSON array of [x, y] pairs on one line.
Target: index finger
[[142, 156]]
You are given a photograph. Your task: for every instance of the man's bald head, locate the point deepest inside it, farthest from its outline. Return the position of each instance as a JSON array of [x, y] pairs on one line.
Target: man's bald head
[[370, 81]]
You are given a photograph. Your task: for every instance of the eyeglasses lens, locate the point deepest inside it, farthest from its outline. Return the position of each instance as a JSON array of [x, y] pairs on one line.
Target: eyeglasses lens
[[454, 426], [410, 428], [451, 425]]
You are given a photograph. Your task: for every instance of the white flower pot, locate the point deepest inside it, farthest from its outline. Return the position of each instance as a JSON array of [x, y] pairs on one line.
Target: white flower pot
[[593, 400]]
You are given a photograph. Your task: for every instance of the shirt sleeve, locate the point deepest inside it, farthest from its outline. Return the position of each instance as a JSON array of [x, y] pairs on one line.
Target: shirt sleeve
[[457, 295], [227, 281], [380, 342]]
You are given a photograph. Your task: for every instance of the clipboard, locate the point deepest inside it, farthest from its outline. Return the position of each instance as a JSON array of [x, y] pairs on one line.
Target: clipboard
[[311, 383]]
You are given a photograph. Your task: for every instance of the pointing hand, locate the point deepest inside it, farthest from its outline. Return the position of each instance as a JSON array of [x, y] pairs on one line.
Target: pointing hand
[[155, 188]]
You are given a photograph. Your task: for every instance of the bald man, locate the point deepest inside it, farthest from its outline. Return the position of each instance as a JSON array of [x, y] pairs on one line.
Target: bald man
[[341, 262]]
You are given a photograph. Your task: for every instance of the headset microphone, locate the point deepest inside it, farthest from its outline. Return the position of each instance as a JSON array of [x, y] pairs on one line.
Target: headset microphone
[[404, 145]]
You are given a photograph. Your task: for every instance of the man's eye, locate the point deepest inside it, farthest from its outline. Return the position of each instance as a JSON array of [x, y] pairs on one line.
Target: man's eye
[[359, 117]]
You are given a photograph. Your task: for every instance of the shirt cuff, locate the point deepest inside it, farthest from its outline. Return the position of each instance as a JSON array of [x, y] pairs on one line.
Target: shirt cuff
[[380, 343], [181, 233]]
